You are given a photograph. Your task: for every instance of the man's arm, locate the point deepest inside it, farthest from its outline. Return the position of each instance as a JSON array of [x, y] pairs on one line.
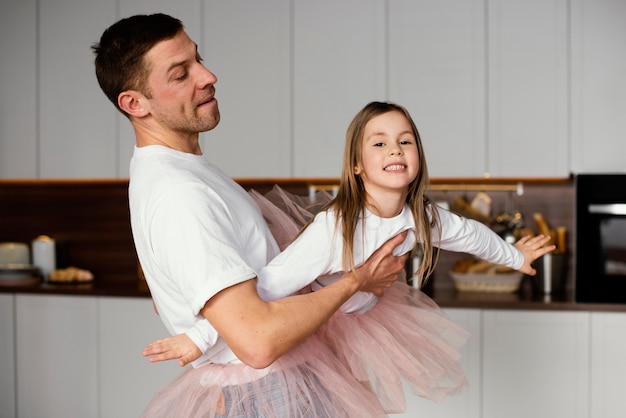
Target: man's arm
[[259, 332]]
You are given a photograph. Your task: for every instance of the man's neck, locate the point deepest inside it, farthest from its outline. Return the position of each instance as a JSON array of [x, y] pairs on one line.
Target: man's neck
[[188, 143]]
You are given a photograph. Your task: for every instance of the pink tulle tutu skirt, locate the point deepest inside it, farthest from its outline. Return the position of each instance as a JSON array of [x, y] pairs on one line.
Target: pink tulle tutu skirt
[[353, 367], [309, 381], [405, 337]]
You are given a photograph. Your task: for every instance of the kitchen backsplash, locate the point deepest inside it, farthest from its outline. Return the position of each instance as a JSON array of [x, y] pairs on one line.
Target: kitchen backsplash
[[90, 217], [552, 199]]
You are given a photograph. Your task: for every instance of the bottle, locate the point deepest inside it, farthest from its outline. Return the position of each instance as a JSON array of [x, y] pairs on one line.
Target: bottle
[[44, 255]]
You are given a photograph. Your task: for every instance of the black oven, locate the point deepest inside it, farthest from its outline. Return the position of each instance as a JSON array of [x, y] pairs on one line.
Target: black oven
[[601, 238]]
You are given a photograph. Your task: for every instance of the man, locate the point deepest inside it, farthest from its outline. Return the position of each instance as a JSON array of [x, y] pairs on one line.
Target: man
[[200, 239]]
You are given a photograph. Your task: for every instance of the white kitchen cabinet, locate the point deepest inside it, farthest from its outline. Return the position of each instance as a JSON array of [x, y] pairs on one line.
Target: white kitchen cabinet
[[339, 65], [79, 356], [66, 356], [128, 381], [608, 363], [598, 85], [56, 356], [18, 89], [509, 88], [528, 88], [464, 405], [437, 71], [7, 356], [489, 96], [247, 45], [81, 133], [535, 364], [77, 129]]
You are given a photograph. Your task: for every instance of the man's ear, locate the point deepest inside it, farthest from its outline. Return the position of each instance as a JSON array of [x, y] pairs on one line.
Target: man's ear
[[133, 103]]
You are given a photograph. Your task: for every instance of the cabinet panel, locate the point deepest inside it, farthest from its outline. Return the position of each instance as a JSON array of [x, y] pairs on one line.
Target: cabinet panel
[[18, 90], [7, 357], [247, 46], [437, 71], [511, 88], [57, 356], [128, 381], [608, 344], [598, 85], [464, 405], [536, 364], [528, 88], [76, 121], [339, 66]]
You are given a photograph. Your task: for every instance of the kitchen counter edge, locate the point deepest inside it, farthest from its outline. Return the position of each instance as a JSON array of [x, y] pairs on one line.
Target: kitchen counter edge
[[444, 297]]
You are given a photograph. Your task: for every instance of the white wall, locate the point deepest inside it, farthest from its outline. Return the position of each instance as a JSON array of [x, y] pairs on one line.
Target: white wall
[[526, 89]]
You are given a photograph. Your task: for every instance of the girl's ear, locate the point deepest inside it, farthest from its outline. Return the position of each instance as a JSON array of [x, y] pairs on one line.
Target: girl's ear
[[133, 103], [358, 170]]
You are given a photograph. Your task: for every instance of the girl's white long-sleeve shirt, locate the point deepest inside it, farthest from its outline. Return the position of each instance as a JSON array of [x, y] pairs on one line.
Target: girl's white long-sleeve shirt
[[315, 257]]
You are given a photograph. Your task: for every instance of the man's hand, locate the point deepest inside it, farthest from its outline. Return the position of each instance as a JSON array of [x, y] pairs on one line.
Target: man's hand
[[532, 249], [177, 347], [382, 269]]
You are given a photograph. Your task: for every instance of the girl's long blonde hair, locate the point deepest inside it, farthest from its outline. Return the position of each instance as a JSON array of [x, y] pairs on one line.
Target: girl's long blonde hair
[[349, 204]]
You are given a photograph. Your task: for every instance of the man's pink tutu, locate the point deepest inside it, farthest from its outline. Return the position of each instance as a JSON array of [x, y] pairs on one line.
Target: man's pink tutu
[[307, 382]]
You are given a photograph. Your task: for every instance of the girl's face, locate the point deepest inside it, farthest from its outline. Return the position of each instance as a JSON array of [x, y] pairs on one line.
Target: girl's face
[[389, 157]]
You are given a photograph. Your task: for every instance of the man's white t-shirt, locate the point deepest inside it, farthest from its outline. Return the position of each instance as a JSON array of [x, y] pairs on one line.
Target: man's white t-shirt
[[196, 233]]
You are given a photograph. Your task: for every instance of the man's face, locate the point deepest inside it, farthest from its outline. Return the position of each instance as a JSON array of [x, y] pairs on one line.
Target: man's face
[[180, 88]]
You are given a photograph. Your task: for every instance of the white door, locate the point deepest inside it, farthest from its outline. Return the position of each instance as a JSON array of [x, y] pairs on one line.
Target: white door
[[464, 405], [56, 356], [7, 356], [339, 66], [528, 88], [128, 381], [535, 364], [437, 71], [608, 364]]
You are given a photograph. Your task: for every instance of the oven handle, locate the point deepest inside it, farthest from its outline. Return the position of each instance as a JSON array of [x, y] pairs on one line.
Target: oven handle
[[608, 209]]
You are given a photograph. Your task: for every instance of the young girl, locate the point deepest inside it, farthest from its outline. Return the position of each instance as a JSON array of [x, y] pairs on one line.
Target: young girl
[[403, 335]]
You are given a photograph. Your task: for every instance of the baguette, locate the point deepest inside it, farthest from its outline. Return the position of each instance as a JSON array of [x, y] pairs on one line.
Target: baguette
[[474, 266]]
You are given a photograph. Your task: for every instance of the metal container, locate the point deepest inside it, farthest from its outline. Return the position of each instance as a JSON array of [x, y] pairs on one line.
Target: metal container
[[551, 273]]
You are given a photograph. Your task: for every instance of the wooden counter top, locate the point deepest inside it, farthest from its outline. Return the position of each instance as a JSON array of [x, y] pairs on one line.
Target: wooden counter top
[[445, 297], [119, 288]]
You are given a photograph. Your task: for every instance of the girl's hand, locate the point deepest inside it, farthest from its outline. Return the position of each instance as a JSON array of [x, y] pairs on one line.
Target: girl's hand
[[177, 347], [532, 249]]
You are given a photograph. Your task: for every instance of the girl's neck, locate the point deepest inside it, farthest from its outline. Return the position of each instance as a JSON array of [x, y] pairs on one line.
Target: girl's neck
[[387, 205]]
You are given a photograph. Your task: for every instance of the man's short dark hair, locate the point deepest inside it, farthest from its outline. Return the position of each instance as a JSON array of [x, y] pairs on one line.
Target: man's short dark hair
[[119, 54]]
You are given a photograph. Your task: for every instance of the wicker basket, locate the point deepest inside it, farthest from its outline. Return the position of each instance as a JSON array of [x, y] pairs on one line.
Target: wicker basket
[[491, 283]]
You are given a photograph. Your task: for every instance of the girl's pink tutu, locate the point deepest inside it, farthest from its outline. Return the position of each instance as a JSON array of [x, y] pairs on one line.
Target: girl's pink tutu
[[286, 213], [309, 381], [406, 336]]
